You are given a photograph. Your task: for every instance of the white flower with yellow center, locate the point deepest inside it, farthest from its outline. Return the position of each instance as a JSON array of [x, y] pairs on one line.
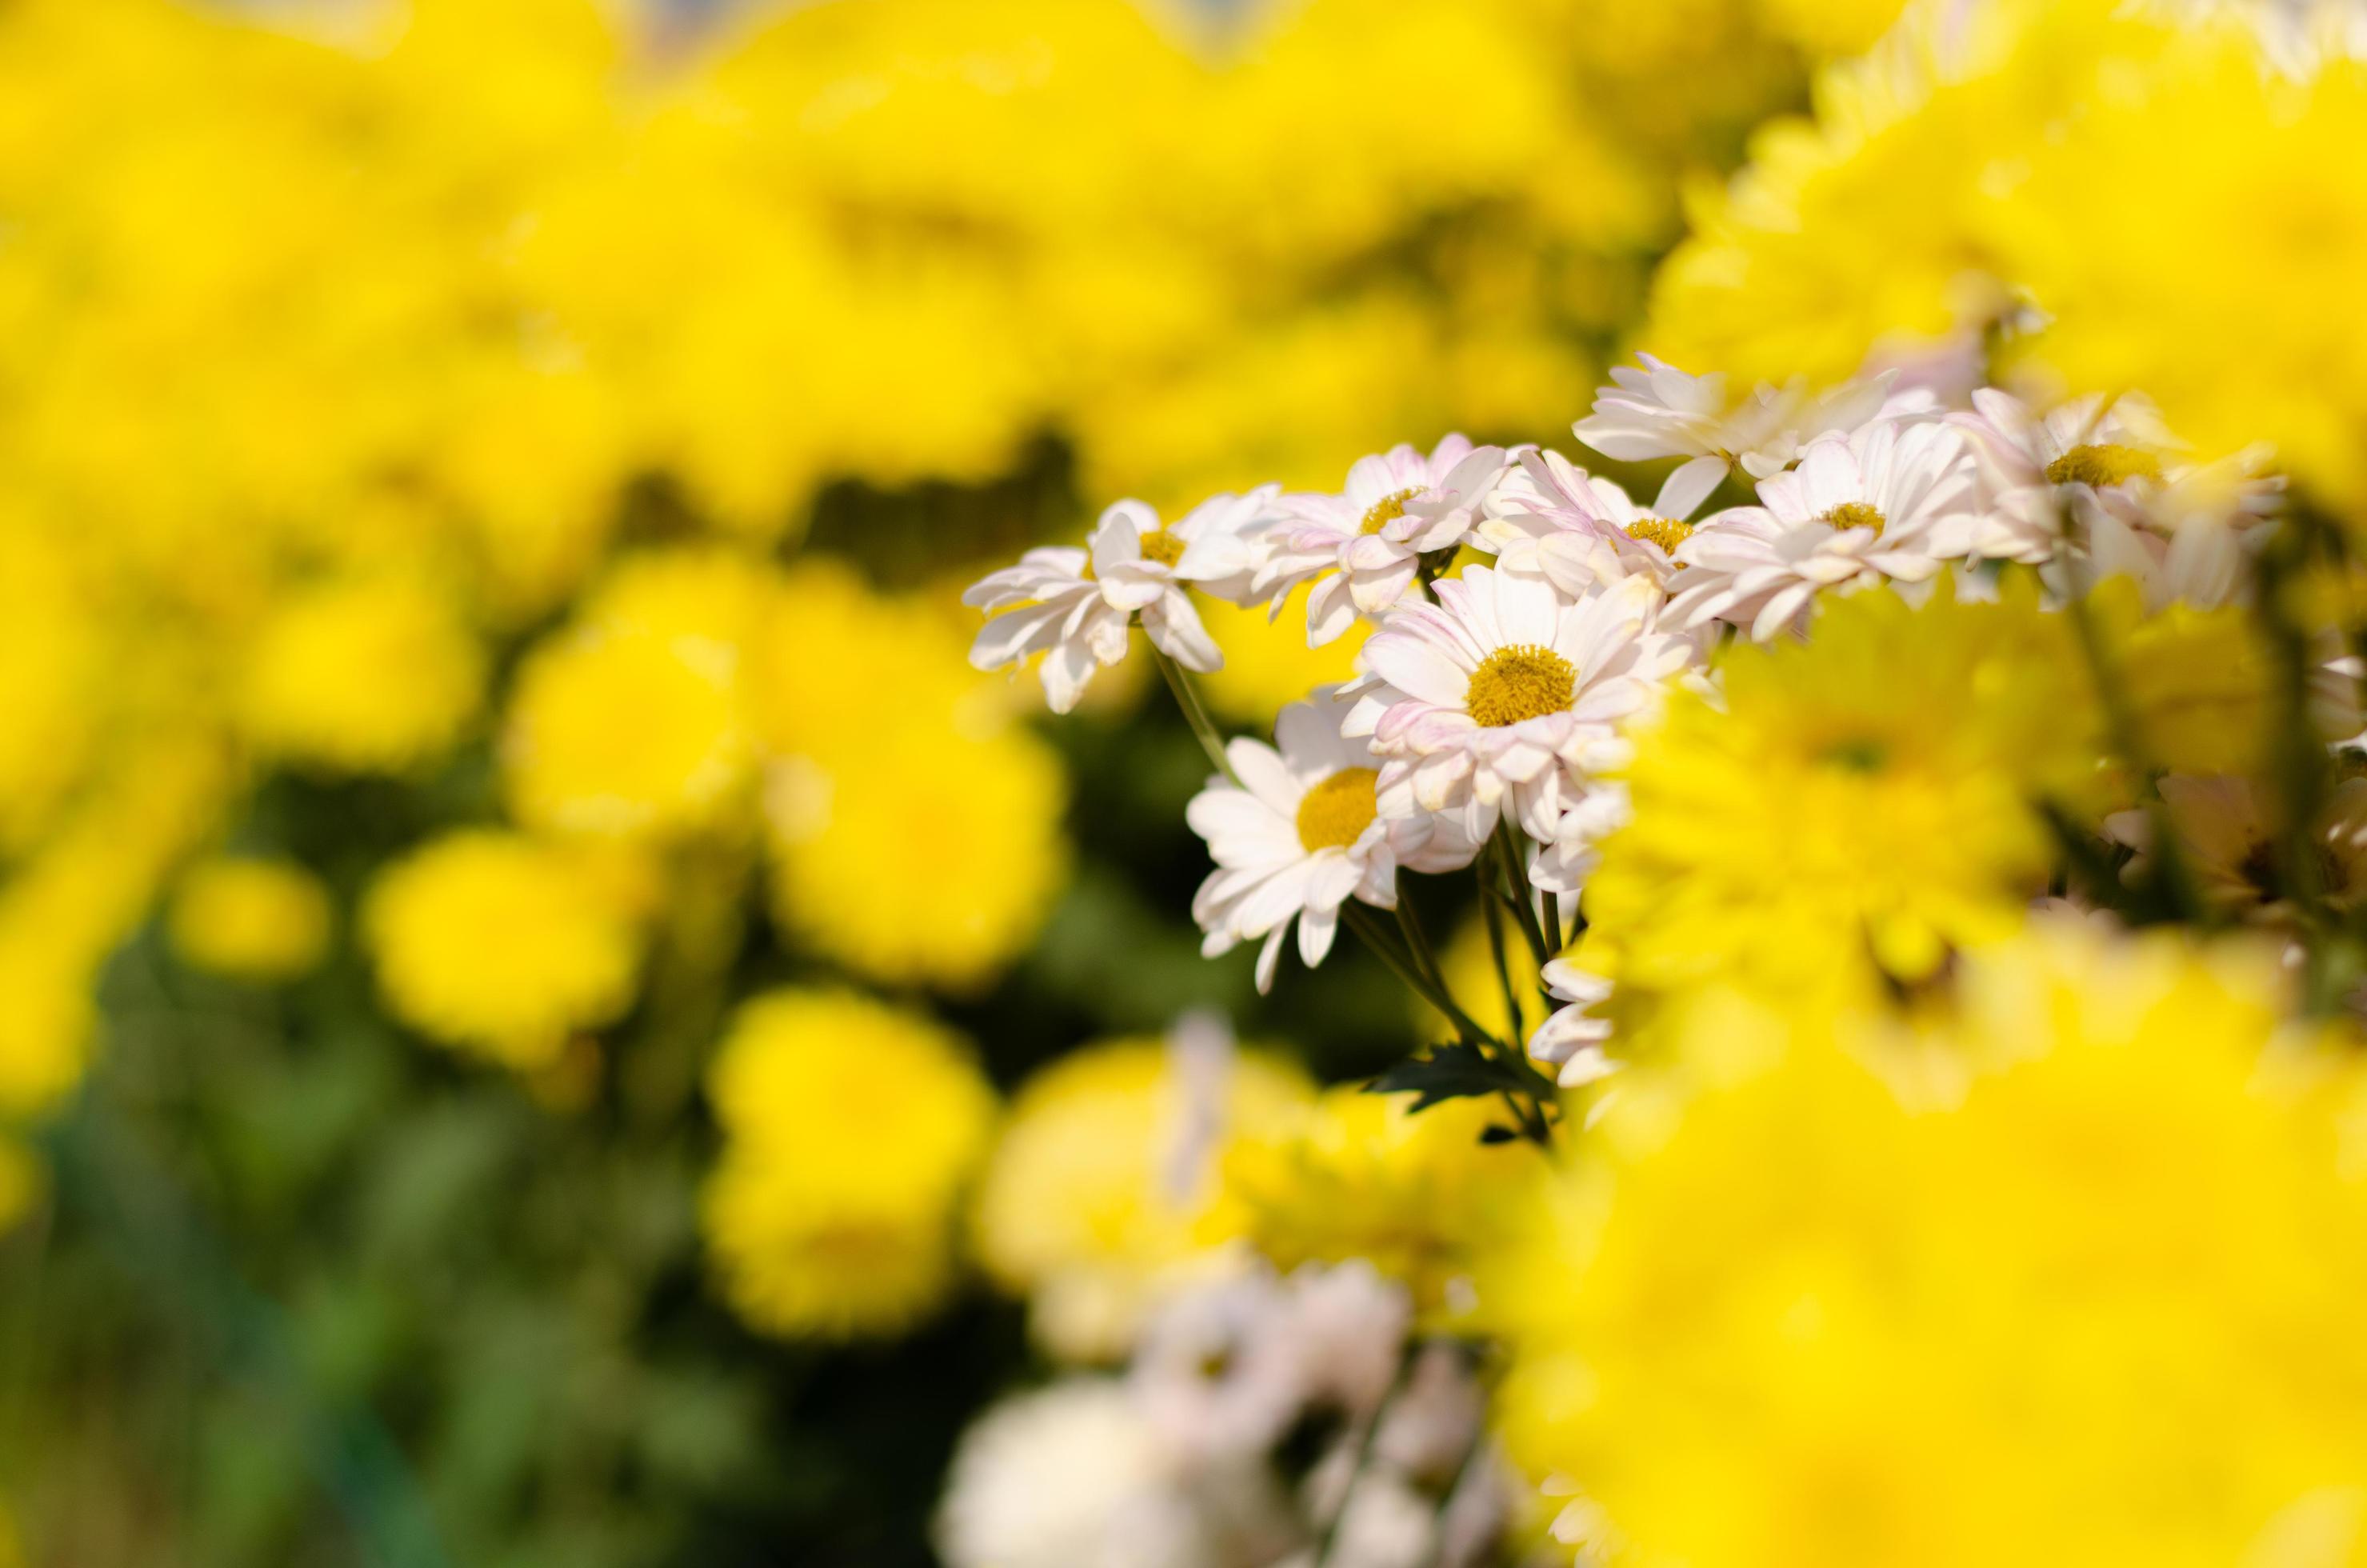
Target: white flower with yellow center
[[1363, 547], [1503, 698], [1075, 606], [1300, 835], [1888, 504], [1548, 515], [1661, 412]]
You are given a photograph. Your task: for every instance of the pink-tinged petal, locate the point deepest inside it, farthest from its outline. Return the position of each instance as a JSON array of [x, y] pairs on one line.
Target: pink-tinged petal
[[1330, 610], [1527, 608], [1383, 589], [1416, 668], [1688, 487], [1439, 778], [1779, 612], [1428, 729]]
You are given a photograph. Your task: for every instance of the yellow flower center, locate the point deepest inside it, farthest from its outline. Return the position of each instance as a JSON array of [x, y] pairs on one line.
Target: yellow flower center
[[1387, 510], [1665, 532], [2102, 465], [1334, 814], [1855, 514], [1162, 546], [1522, 681]]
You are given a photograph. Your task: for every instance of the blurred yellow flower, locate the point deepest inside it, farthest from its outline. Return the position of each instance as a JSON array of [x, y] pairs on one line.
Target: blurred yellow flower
[[250, 918], [372, 674], [914, 828], [1857, 803], [617, 733], [499, 945], [1268, 665], [1804, 1307], [850, 1128], [1104, 1189], [1359, 1175]]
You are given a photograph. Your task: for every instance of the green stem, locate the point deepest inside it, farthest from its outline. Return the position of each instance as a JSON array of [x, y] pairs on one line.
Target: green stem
[[1374, 935], [1514, 891], [1495, 920], [1195, 713]]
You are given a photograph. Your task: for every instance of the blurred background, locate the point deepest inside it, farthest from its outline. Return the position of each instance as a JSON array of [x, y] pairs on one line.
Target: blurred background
[[484, 489]]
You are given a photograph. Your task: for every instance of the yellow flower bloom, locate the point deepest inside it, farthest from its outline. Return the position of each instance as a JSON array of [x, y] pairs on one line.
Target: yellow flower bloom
[[1865, 795], [850, 1128], [1815, 1304], [251, 919], [1103, 1189], [498, 945], [372, 674], [914, 828], [1359, 1175]]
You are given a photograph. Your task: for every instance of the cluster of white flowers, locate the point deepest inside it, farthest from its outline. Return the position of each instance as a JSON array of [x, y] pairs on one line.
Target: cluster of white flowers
[[1262, 1421], [1524, 610]]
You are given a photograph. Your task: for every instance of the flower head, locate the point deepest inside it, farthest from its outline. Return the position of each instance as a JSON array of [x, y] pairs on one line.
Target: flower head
[[1076, 607], [1580, 529], [1888, 504], [1661, 412], [1362, 547], [1501, 699], [1300, 834], [819, 1223]]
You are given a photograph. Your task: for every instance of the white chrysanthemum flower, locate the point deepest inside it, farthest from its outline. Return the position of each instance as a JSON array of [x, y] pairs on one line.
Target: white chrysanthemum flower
[[1500, 699], [1572, 1038], [1077, 1475], [1548, 515], [1300, 835], [1563, 865], [1363, 547], [1075, 606], [1661, 412], [1890, 503]]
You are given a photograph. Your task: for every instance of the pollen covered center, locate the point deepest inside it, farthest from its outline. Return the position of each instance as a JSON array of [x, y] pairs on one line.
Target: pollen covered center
[[1387, 510], [1334, 814], [1522, 681], [1665, 532], [1162, 546], [1855, 515], [2102, 465]]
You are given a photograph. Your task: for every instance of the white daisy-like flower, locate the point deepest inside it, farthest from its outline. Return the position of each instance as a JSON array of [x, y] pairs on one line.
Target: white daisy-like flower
[[1363, 547], [1661, 412], [1579, 529], [1572, 1038], [1563, 865], [1501, 699], [1890, 503], [1075, 606], [1300, 835], [2227, 841]]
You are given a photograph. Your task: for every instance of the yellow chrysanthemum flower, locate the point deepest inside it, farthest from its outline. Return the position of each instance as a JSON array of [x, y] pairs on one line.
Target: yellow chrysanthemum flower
[[1865, 795], [621, 733], [875, 861], [2087, 1294], [372, 674], [249, 918], [499, 945], [824, 1222], [1360, 1176], [1102, 1190]]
